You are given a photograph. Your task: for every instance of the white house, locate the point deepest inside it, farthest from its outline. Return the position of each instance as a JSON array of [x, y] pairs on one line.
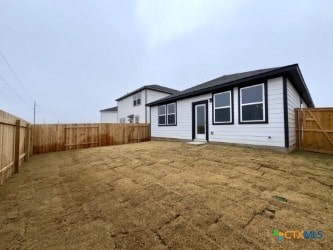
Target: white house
[[109, 115], [255, 108], [132, 107]]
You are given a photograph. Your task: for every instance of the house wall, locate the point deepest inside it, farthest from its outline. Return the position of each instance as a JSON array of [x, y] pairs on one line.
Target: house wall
[[109, 117], [126, 108], [152, 96], [294, 101], [183, 130], [270, 134], [254, 134]]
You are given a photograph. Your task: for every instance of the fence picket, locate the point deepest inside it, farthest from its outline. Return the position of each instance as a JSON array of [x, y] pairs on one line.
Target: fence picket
[[314, 129], [77, 136]]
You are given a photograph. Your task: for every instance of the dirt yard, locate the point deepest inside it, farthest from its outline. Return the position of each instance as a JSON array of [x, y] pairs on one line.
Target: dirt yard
[[167, 195]]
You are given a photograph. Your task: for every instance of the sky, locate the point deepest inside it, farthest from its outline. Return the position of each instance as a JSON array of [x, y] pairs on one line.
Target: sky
[[75, 58]]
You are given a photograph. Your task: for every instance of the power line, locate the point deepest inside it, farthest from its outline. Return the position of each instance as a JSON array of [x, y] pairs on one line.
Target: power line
[[17, 94], [16, 76], [3, 93]]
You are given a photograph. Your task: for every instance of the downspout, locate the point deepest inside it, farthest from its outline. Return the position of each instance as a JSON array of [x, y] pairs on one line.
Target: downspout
[[285, 111], [145, 105], [300, 128], [150, 122]]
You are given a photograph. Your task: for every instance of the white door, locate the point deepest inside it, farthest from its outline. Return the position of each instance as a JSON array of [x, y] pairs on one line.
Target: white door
[[200, 121]]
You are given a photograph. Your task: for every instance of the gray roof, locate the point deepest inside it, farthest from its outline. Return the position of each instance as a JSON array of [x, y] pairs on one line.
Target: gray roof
[[110, 109], [151, 87], [228, 81]]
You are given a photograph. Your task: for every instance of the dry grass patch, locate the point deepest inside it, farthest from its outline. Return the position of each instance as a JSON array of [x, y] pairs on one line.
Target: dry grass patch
[[167, 195]]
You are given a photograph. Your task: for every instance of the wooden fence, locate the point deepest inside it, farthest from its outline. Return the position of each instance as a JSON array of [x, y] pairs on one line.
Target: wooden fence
[[314, 129], [15, 144], [61, 137]]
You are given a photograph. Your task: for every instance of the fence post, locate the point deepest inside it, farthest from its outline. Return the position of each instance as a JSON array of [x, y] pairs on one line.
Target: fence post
[[27, 143], [297, 127], [99, 136], [31, 140], [17, 147]]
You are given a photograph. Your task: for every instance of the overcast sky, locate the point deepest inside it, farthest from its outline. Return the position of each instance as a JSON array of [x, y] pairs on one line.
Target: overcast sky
[[76, 57]]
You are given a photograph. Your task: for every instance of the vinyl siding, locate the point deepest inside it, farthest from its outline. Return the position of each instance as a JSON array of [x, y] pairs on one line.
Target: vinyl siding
[[183, 130], [152, 96], [294, 101], [109, 117], [304, 104], [254, 134], [126, 108]]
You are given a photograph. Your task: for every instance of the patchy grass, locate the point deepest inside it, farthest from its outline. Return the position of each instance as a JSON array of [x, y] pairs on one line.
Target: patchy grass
[[167, 195]]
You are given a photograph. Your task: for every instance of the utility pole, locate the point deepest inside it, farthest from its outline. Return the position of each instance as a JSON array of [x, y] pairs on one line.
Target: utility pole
[[35, 105]]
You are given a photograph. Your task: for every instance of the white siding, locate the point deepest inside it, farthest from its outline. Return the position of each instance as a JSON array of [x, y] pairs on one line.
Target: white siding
[[126, 108], [109, 117], [255, 134], [152, 96], [294, 101], [304, 105], [183, 130]]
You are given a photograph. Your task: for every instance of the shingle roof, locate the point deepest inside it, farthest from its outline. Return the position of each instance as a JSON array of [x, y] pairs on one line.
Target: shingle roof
[[226, 81], [110, 109], [151, 87]]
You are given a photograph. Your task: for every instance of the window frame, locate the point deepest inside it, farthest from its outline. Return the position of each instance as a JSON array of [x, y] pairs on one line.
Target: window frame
[[174, 113], [136, 119], [264, 103], [158, 115], [136, 98], [231, 107], [166, 114]]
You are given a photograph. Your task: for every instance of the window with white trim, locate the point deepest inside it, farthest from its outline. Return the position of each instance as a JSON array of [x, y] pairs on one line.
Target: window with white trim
[[252, 103], [222, 108], [137, 99], [162, 115], [171, 114], [167, 114]]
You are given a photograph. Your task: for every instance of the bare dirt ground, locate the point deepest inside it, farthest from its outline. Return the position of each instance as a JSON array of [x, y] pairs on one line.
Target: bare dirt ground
[[167, 195]]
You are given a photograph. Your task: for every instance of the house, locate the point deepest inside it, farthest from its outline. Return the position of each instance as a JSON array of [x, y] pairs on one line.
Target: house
[[109, 115], [132, 107], [255, 108]]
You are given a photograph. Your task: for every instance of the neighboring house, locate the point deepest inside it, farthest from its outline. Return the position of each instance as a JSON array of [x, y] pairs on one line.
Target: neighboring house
[[109, 115], [132, 107], [255, 108]]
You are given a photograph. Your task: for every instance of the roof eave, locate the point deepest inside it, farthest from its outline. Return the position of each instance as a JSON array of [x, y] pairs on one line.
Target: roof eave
[[271, 74], [131, 93], [140, 89]]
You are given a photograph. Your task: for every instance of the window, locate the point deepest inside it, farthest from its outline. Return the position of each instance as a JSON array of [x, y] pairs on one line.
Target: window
[[137, 99], [171, 113], [161, 115], [167, 115], [122, 120], [252, 104], [136, 119], [222, 108]]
